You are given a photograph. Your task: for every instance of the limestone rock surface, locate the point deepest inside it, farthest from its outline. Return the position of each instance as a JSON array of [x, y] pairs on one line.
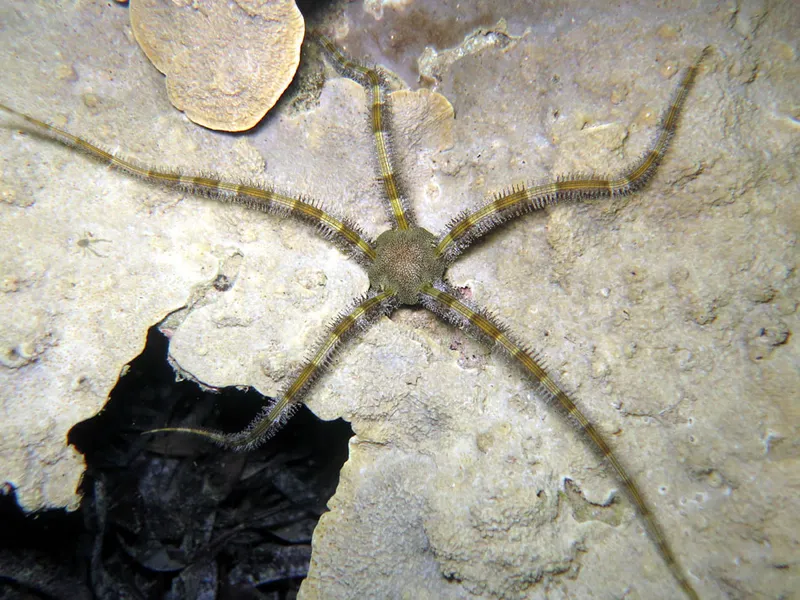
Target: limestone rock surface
[[669, 314]]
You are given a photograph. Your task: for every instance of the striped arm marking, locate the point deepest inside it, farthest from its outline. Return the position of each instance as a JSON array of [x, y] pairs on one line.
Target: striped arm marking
[[372, 81], [251, 197], [521, 199], [495, 332], [272, 417]]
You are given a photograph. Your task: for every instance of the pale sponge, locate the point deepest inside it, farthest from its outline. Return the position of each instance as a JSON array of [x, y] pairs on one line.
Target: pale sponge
[[227, 66]]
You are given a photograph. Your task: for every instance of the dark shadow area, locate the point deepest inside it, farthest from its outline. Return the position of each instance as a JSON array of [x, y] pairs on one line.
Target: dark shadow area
[[314, 10], [170, 515]]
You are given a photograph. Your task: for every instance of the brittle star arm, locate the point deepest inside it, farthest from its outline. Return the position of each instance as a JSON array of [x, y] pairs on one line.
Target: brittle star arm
[[522, 199], [364, 311], [442, 301], [346, 234], [399, 208]]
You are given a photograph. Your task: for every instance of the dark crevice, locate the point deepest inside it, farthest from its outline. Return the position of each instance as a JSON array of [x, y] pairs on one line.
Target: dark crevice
[[170, 515]]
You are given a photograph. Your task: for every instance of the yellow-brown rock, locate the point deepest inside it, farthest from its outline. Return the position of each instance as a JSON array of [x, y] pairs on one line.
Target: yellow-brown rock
[[226, 63]]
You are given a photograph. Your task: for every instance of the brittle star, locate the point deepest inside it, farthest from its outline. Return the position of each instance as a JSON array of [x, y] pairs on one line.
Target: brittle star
[[406, 264], [86, 242]]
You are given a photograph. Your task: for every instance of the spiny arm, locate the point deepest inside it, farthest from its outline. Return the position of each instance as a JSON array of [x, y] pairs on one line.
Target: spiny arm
[[483, 325], [399, 209], [346, 234], [521, 199], [364, 311]]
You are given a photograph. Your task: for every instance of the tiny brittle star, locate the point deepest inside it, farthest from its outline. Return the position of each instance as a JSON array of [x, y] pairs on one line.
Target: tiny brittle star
[[87, 241], [407, 264]]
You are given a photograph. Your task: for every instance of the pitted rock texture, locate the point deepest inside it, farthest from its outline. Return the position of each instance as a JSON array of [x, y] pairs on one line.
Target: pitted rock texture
[[670, 315]]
